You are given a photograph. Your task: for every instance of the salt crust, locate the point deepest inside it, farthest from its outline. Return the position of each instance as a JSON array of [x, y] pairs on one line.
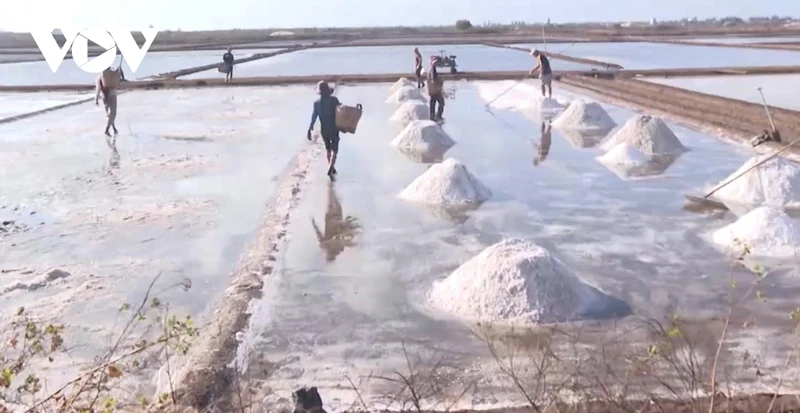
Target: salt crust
[[584, 115], [515, 282], [775, 183], [649, 134], [422, 136], [766, 231], [410, 111], [447, 184]]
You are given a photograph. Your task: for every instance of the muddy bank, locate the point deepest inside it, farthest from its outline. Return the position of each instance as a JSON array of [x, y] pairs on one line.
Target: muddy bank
[[767, 46], [733, 118], [392, 77]]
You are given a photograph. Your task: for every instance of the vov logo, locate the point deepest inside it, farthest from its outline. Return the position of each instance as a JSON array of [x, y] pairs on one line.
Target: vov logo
[[79, 41]]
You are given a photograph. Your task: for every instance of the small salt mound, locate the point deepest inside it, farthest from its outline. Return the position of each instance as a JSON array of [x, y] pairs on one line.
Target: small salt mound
[[423, 136], [520, 283], [400, 83], [404, 94], [584, 115], [624, 154], [447, 184], [775, 183], [649, 134], [546, 104], [768, 232], [410, 111]]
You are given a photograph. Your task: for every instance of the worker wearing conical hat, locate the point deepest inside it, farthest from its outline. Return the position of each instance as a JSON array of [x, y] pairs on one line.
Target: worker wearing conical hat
[[436, 93]]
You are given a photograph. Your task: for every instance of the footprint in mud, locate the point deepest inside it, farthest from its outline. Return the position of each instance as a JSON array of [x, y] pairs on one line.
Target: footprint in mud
[[11, 227], [186, 138]]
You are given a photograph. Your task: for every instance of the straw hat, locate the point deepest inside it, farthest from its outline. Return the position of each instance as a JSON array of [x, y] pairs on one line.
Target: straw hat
[[322, 86]]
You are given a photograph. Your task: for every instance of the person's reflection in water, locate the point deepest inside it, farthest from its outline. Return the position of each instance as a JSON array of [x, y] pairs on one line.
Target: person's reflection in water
[[113, 157], [340, 231], [544, 144]]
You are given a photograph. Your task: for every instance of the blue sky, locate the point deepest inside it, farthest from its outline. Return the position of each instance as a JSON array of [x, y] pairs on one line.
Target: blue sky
[[226, 14]]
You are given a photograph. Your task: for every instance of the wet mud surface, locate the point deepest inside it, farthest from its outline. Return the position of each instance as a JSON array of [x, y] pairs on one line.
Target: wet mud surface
[[350, 300], [170, 195]]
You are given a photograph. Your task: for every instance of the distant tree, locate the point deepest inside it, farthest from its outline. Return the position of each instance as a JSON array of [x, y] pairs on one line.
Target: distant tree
[[463, 24]]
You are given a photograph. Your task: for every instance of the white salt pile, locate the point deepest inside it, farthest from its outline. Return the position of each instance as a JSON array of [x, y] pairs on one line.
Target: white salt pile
[[624, 154], [404, 94], [447, 184], [766, 231], [544, 104], [584, 115], [423, 136], [648, 134], [520, 283], [400, 83], [584, 139], [775, 183], [410, 111]]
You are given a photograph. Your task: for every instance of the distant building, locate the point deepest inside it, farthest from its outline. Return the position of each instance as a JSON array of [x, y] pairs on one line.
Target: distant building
[[653, 21], [281, 33]]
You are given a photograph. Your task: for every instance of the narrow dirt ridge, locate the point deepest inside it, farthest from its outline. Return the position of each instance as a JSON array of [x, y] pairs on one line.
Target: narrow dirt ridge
[[560, 56], [205, 376], [737, 119]]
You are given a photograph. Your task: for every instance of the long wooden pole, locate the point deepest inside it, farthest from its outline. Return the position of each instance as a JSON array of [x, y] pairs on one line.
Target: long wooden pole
[[752, 167]]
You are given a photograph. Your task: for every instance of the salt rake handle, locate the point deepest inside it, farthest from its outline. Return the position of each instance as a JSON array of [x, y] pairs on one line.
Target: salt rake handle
[[752, 167]]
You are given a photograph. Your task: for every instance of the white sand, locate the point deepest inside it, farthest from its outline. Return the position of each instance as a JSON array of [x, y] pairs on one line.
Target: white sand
[[648, 134], [768, 232], [584, 115], [514, 282], [410, 111], [400, 83], [422, 136], [624, 154], [776, 183], [447, 184], [405, 94]]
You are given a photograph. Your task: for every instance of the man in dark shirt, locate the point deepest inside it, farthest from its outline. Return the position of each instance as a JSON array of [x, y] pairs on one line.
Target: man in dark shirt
[[325, 109], [227, 58], [418, 67], [545, 73], [435, 83]]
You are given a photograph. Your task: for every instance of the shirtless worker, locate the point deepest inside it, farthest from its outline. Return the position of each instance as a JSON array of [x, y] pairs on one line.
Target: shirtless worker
[[545, 73], [227, 58], [325, 110], [109, 101], [418, 67], [438, 96]]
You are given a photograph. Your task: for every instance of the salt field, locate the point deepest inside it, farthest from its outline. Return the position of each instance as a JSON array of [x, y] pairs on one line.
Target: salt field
[[660, 55], [778, 90], [515, 212], [745, 40], [391, 59], [39, 73]]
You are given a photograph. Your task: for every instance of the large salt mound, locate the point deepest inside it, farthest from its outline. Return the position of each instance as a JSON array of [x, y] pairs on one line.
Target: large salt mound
[[768, 232], [517, 282], [648, 134], [400, 83], [410, 111], [405, 94], [423, 136], [624, 154], [447, 184], [775, 183], [584, 116]]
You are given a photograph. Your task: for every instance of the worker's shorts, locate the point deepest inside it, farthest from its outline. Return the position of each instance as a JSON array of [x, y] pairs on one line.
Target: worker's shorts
[[547, 79], [111, 106], [418, 71], [331, 140]]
